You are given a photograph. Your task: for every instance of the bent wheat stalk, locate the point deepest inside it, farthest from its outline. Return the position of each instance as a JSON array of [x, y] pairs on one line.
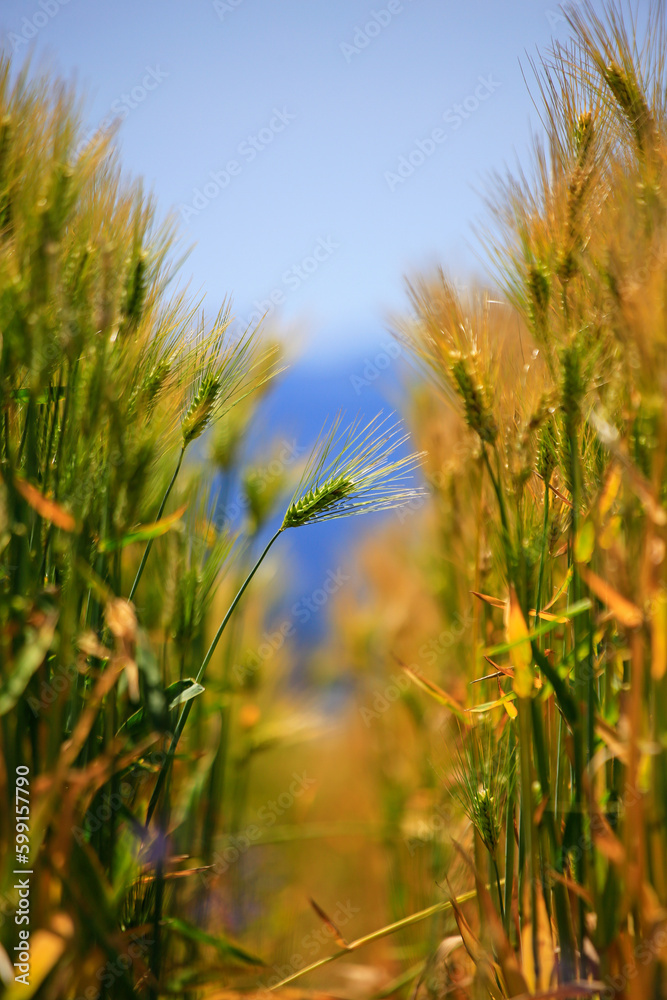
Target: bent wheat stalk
[[362, 478]]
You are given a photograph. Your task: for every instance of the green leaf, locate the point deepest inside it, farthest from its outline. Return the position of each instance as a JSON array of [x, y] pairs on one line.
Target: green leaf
[[561, 688], [222, 944], [28, 661], [142, 722], [136, 726], [144, 533], [489, 705], [584, 543], [181, 691], [571, 612]]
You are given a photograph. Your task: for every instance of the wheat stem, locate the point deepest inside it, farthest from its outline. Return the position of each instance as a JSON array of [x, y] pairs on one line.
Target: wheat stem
[[149, 544], [183, 718]]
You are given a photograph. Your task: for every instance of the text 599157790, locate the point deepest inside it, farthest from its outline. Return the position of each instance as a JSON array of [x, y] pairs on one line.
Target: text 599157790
[[22, 884]]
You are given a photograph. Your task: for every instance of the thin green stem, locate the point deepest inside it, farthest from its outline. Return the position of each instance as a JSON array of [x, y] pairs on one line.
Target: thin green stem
[[149, 544], [398, 925], [496, 871], [509, 832], [232, 606], [568, 961], [524, 708], [496, 488], [24, 433], [183, 718], [545, 526], [506, 537], [580, 679], [51, 433]]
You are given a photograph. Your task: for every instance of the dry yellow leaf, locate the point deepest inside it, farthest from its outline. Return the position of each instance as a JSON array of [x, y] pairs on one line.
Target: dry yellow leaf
[[540, 979], [659, 636], [610, 532], [610, 491], [627, 613], [48, 509], [46, 948], [585, 542], [522, 656], [121, 619]]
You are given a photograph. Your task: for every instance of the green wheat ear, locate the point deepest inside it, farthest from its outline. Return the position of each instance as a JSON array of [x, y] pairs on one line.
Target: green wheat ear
[[317, 501], [363, 476], [201, 408], [224, 371]]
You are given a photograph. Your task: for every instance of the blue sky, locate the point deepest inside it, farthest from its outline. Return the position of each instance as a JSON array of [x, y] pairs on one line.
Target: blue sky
[[315, 152]]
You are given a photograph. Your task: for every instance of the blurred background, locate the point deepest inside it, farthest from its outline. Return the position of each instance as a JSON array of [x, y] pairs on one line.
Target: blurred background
[[314, 156], [294, 144], [320, 110]]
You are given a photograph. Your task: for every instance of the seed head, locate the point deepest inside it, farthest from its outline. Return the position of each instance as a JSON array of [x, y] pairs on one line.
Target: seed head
[[317, 501], [539, 292], [200, 410], [487, 819], [583, 137], [624, 86], [572, 386], [362, 477], [135, 295], [478, 413], [547, 453]]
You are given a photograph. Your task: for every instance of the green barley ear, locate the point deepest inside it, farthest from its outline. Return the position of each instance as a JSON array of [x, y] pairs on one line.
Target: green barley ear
[[154, 382], [547, 453], [488, 823], [572, 390], [61, 199], [482, 774], [135, 294], [478, 414], [572, 386], [363, 477], [201, 408], [628, 94], [5, 179], [318, 502], [224, 373], [539, 295]]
